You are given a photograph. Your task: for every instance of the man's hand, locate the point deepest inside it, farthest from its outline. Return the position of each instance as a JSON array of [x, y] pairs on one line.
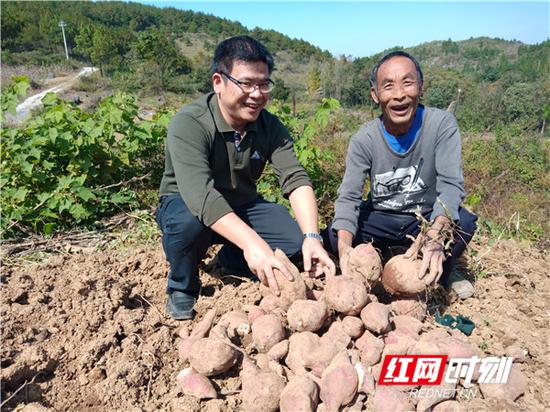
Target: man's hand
[[345, 240], [316, 259], [432, 262], [433, 252], [261, 261]]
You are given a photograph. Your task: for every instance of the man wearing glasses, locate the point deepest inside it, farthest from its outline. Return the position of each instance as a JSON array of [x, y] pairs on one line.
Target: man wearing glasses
[[217, 148]]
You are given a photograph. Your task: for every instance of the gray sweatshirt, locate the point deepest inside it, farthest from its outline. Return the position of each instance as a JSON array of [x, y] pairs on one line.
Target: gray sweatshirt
[[427, 177]]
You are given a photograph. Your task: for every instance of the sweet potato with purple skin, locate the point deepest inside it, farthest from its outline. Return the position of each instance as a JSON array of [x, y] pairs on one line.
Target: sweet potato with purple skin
[[386, 399], [376, 317], [267, 330], [195, 384], [364, 263], [442, 392], [339, 383], [411, 306], [407, 325], [301, 394], [307, 315], [371, 348], [353, 326], [511, 390], [400, 276], [517, 353], [345, 294], [210, 356], [448, 406], [289, 290], [200, 331], [300, 344], [261, 389], [237, 323], [278, 351]]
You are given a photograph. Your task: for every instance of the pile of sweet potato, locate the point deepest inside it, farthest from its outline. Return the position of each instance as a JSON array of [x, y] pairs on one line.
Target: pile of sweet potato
[[319, 345]]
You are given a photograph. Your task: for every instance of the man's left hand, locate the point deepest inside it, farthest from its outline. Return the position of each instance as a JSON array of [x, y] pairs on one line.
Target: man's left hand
[[316, 259], [433, 256]]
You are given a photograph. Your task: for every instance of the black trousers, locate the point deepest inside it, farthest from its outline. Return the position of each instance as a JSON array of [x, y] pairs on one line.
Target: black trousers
[[185, 239], [385, 229]]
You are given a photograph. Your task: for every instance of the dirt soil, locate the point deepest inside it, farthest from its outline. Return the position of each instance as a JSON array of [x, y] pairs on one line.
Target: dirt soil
[[88, 331]]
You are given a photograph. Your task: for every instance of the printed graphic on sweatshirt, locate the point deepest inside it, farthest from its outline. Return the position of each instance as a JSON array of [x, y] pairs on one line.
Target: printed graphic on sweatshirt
[[400, 188]]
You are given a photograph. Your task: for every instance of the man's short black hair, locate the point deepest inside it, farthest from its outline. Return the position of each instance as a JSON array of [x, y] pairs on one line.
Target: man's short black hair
[[243, 48], [389, 56]]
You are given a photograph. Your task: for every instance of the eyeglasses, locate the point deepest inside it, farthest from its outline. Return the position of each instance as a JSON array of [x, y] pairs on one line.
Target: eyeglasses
[[249, 87]]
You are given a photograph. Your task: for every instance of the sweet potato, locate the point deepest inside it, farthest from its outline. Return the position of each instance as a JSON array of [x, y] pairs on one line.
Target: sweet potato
[[435, 394], [290, 290], [364, 263], [400, 276], [407, 325], [366, 379], [299, 344], [516, 352], [261, 389], [253, 312], [376, 317], [307, 315], [511, 390], [211, 356], [386, 399], [269, 303], [278, 351], [353, 326], [371, 348], [411, 306], [448, 406], [237, 323], [300, 394], [345, 294], [195, 384], [339, 382], [200, 331], [267, 330]]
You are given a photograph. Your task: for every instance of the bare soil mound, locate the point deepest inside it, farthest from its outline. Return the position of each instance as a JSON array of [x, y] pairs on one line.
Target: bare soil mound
[[88, 331]]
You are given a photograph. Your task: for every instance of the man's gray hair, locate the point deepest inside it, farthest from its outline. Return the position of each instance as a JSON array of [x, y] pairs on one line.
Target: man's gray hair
[[389, 56]]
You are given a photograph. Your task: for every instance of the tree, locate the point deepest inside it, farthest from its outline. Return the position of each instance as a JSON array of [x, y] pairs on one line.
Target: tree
[[314, 80], [157, 49]]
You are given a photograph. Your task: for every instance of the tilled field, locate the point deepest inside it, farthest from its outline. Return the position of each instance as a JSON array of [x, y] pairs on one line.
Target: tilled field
[[88, 331]]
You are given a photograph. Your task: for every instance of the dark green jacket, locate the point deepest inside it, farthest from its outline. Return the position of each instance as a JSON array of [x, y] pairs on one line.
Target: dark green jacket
[[213, 177]]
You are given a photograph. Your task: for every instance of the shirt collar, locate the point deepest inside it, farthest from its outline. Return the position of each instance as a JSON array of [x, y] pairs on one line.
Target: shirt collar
[[221, 124]]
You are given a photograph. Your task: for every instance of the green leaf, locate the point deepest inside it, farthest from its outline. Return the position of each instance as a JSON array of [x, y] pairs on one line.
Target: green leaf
[[49, 228], [78, 212], [85, 194], [20, 194], [49, 99]]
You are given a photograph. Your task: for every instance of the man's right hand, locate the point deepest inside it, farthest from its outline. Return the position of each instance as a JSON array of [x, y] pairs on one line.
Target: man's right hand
[[261, 261], [260, 258]]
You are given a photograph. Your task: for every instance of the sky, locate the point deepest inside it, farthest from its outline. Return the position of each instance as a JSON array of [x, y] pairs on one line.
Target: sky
[[364, 28]]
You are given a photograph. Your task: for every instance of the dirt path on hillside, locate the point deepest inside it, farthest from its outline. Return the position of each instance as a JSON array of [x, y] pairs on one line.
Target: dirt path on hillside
[[87, 331], [58, 86]]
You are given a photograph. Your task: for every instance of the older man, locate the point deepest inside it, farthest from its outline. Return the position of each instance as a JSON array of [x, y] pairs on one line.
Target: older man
[[217, 148], [412, 155]]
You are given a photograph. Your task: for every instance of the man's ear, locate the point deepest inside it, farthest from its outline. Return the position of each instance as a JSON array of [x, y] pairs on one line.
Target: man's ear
[[374, 96], [217, 82], [421, 89]]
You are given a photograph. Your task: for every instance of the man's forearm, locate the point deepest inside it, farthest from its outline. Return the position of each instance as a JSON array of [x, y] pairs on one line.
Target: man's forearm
[[304, 205], [234, 229]]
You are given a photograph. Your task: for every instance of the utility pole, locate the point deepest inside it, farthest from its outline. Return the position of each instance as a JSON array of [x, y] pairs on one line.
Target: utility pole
[[62, 24]]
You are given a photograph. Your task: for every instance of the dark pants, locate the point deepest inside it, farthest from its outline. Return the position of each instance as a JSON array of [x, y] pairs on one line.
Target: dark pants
[[385, 229], [185, 239]]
